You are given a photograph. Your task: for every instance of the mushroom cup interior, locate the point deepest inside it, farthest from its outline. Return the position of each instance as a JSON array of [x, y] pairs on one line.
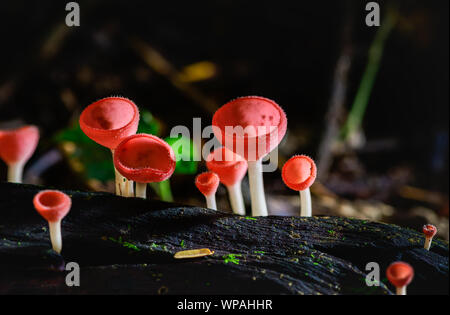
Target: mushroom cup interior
[[52, 205], [400, 274], [250, 126], [144, 159], [299, 172], [109, 114], [141, 153]]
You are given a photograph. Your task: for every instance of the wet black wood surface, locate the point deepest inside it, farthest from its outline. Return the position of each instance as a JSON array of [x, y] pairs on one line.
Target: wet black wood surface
[[126, 245]]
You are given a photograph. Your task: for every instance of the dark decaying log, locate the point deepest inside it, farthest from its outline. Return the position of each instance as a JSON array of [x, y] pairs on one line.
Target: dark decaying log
[[126, 245]]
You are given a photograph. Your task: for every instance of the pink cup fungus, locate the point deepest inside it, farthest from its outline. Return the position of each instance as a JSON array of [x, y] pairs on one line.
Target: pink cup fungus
[[400, 274], [251, 127], [53, 206], [299, 173], [429, 231], [107, 122], [230, 168], [144, 159], [207, 183], [16, 148]]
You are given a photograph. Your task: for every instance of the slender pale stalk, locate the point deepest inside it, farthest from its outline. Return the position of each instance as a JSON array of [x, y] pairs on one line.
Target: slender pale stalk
[[119, 181], [15, 172], [259, 207], [428, 243], [236, 200], [401, 290], [55, 235], [129, 188], [211, 202], [305, 203], [141, 190]]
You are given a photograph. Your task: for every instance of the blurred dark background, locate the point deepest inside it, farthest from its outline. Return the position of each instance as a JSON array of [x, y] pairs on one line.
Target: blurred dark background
[[180, 60]]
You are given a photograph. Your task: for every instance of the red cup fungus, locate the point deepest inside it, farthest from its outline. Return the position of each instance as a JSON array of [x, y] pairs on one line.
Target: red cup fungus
[[16, 148], [107, 122], [207, 183], [230, 168], [299, 173], [400, 274], [251, 127], [144, 159], [429, 231], [53, 206]]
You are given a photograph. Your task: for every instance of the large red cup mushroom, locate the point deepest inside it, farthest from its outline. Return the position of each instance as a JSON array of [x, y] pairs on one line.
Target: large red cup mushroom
[[144, 159], [53, 206], [400, 274], [107, 122], [251, 127], [429, 231], [16, 148], [230, 168], [207, 183], [299, 173]]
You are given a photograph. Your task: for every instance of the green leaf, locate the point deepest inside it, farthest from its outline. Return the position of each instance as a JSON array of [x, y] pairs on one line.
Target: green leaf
[[148, 124], [186, 154]]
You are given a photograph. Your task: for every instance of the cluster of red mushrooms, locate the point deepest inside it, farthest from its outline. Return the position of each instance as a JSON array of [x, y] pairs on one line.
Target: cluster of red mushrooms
[[142, 158]]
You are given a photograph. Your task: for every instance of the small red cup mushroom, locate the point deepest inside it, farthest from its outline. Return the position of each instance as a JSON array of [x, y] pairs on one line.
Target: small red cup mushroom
[[400, 274], [299, 173], [53, 206], [429, 231], [207, 183], [251, 127], [16, 148], [230, 168], [107, 122], [144, 159]]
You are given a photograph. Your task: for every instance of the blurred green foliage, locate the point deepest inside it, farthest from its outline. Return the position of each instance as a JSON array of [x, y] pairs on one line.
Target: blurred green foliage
[[185, 153], [95, 160]]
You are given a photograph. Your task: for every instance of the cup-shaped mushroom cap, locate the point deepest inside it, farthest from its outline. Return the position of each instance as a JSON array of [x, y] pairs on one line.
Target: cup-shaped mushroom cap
[[429, 230], [400, 274], [144, 158], [53, 205], [18, 145], [250, 126], [230, 167], [207, 183], [109, 120], [299, 172]]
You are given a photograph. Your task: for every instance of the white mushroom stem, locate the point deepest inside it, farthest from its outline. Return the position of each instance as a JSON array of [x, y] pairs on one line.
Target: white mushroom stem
[[15, 172], [236, 199], [259, 207], [141, 190], [211, 201], [428, 241], [129, 188], [305, 203], [401, 290], [120, 181], [55, 235]]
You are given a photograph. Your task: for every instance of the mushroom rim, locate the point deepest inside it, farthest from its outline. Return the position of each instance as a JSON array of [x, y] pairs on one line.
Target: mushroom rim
[[135, 171], [308, 181], [429, 230], [393, 278], [66, 201], [280, 110], [5, 132], [213, 181], [105, 131]]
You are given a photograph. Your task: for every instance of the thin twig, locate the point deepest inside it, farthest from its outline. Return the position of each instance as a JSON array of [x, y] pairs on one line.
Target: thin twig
[[338, 97]]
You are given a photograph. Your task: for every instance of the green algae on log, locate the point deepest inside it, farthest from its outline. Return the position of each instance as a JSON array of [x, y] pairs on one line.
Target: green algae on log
[[126, 245]]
